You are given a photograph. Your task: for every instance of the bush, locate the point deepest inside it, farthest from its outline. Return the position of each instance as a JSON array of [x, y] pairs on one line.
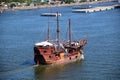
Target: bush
[[68, 1], [12, 5], [83, 1], [42, 3]]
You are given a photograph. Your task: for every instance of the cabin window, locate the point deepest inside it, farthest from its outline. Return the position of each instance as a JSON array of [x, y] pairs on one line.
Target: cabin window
[[51, 51], [73, 45], [70, 58], [76, 57], [50, 56], [44, 52]]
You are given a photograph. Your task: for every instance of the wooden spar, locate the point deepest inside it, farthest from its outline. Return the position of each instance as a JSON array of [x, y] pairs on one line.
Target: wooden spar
[[48, 32], [58, 33], [70, 35]]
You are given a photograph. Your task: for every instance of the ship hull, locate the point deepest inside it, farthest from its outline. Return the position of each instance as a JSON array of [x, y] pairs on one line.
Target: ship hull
[[41, 61], [54, 58]]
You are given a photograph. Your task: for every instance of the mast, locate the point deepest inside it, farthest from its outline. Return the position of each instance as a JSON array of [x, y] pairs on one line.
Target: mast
[[70, 35], [48, 33], [58, 33]]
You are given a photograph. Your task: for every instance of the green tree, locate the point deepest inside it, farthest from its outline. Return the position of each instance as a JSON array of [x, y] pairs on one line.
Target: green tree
[[83, 1], [68, 1], [21, 1]]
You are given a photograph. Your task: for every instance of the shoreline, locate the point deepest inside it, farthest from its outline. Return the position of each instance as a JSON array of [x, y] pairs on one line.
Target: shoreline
[[51, 6]]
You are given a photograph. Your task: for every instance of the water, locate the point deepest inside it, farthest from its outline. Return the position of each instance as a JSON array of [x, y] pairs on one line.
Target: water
[[19, 30]]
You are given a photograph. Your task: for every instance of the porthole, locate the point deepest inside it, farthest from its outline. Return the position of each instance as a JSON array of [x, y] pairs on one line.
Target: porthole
[[76, 57], [50, 57], [51, 51], [44, 52]]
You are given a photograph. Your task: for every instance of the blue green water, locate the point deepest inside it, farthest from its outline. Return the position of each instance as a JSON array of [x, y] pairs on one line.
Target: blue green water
[[20, 30]]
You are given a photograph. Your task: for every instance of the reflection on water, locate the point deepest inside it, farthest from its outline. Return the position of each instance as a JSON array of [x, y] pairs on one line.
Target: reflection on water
[[53, 72], [47, 72]]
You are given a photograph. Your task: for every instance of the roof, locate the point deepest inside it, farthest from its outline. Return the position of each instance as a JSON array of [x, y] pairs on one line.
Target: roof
[[44, 43]]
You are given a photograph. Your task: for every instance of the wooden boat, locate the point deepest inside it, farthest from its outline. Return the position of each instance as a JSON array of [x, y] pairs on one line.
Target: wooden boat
[[50, 52], [50, 14]]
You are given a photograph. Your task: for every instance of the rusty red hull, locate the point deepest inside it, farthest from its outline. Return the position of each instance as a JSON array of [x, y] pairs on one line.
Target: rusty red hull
[[48, 54]]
